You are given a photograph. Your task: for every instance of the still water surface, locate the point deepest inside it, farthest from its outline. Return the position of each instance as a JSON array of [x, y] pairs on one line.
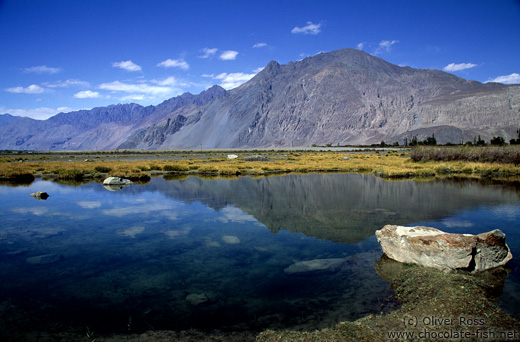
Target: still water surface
[[211, 254]]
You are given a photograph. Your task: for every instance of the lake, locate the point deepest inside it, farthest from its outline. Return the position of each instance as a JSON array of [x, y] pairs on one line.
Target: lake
[[212, 254]]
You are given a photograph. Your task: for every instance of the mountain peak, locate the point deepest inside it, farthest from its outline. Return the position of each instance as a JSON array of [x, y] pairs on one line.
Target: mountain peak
[[272, 67], [214, 90]]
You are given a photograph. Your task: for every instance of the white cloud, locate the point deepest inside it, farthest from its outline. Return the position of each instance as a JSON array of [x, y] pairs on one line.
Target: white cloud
[[150, 91], [134, 97], [65, 110], [384, 46], [360, 46], [135, 88], [514, 78], [127, 65], [457, 67], [86, 94], [208, 52], [259, 45], [174, 63], [310, 28], [41, 113], [66, 84], [228, 55], [257, 70], [387, 43], [233, 80], [32, 89], [170, 81], [42, 69]]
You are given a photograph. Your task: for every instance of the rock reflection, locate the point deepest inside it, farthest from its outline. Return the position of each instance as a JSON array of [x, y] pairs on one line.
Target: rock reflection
[[114, 187]]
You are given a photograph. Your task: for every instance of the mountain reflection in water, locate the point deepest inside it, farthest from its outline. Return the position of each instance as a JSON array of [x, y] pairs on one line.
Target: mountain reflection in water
[[211, 254], [337, 207]]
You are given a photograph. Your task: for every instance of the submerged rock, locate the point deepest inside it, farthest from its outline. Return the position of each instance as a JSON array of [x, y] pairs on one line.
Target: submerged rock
[[197, 298], [40, 195], [311, 267], [431, 247]]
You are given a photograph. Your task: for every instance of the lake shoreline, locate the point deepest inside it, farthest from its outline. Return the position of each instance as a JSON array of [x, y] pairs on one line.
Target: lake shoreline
[[387, 163]]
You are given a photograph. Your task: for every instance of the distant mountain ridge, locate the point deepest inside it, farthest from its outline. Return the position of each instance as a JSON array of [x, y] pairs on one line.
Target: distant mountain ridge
[[342, 97], [6, 119], [96, 129]]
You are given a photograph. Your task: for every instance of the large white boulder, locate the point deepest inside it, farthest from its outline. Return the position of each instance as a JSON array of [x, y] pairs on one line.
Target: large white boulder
[[40, 195], [432, 247]]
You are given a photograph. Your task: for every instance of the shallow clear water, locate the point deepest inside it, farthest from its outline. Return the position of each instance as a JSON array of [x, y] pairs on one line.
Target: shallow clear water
[[212, 254]]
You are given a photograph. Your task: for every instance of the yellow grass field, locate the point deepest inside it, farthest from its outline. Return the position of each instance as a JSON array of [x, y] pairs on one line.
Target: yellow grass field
[[385, 164]]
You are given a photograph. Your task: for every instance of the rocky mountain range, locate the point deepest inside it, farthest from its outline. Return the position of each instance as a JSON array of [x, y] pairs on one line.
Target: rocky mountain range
[[342, 97]]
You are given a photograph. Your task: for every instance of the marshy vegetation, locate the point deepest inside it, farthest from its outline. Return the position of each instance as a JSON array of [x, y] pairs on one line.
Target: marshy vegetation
[[422, 162], [490, 154]]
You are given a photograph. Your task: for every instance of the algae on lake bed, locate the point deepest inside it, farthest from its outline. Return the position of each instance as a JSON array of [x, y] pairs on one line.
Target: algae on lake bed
[[435, 306]]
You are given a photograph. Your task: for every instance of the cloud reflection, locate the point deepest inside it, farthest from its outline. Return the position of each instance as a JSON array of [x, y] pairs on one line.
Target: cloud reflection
[[235, 215], [457, 224], [141, 209], [131, 231], [89, 204], [31, 210]]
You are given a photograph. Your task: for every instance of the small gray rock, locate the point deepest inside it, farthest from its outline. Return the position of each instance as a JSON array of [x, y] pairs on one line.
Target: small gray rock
[[40, 195]]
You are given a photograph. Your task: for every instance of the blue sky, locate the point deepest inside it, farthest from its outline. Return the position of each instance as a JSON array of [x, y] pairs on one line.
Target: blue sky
[[64, 55]]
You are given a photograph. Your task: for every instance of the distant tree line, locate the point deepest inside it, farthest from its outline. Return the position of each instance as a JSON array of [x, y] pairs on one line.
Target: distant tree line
[[517, 140], [432, 141]]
